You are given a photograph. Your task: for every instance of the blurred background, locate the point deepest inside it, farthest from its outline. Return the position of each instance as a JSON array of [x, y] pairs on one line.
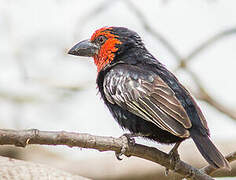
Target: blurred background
[[42, 87]]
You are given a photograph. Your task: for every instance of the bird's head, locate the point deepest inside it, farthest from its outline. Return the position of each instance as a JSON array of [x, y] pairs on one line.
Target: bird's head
[[107, 43]]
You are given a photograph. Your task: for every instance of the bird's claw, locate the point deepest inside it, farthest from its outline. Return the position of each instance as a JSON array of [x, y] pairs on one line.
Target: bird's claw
[[174, 157], [119, 154], [127, 139], [167, 171], [130, 138]]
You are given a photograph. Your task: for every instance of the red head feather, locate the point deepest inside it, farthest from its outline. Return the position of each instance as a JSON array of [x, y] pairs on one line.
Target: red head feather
[[107, 50]]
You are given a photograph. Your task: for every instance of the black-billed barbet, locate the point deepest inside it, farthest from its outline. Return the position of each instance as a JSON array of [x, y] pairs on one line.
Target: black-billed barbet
[[142, 95]]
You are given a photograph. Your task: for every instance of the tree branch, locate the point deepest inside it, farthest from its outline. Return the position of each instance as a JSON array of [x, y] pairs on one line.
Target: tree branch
[[207, 43], [203, 95], [157, 35], [210, 170], [33, 136]]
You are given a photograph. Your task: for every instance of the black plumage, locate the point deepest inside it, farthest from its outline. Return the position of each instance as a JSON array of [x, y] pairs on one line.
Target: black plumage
[[145, 98]]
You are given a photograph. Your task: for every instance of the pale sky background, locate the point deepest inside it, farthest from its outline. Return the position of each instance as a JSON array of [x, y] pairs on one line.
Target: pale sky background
[[35, 36]]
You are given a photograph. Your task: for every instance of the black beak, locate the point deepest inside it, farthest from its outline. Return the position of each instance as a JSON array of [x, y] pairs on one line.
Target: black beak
[[84, 48]]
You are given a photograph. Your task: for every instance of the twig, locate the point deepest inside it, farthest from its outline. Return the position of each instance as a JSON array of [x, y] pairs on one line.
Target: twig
[[205, 96], [24, 137], [209, 42], [149, 29], [101, 7], [203, 46], [210, 170]]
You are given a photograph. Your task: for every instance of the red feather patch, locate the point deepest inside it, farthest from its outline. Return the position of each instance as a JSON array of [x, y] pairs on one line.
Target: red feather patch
[[107, 50]]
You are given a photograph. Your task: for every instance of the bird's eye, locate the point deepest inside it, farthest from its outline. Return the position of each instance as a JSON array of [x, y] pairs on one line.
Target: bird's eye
[[101, 39]]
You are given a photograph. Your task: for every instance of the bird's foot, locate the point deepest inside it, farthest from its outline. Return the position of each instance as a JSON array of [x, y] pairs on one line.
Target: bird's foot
[[127, 139], [174, 156]]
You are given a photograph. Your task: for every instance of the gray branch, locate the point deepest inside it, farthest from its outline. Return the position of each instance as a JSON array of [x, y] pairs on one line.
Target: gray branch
[[33, 136]]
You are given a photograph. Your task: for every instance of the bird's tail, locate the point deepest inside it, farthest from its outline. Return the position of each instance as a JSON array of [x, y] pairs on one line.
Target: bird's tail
[[209, 151]]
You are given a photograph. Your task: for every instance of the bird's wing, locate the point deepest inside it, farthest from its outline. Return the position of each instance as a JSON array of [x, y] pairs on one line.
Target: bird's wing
[[146, 95]]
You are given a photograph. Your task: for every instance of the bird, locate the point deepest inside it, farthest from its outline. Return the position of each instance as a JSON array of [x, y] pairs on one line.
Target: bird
[[143, 96]]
